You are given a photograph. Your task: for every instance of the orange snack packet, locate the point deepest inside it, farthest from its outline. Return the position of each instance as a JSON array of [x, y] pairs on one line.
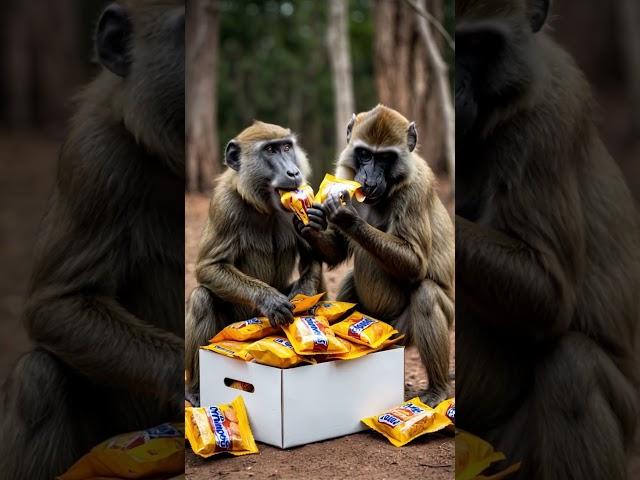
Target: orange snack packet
[[332, 184], [331, 310], [407, 422], [357, 350], [298, 201], [312, 335], [251, 329], [156, 452], [230, 348], [365, 330], [447, 408], [275, 351], [302, 303], [474, 455], [219, 429]]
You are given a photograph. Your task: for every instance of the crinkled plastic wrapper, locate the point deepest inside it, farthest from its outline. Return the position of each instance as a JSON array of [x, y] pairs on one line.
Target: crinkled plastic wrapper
[[447, 408], [231, 349], [356, 350], [298, 201], [331, 184], [251, 329], [312, 336], [407, 422], [331, 310], [365, 330], [302, 303], [474, 455], [156, 452], [276, 351], [220, 429]]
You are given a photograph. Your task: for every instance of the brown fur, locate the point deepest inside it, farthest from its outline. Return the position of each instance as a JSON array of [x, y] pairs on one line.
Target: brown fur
[[382, 126]]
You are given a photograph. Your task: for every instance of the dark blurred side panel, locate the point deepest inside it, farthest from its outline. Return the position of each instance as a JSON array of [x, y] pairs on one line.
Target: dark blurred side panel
[[91, 231], [548, 235]]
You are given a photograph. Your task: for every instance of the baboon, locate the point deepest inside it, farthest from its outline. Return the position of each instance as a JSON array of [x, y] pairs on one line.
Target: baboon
[[105, 309], [547, 254], [249, 247], [401, 238]]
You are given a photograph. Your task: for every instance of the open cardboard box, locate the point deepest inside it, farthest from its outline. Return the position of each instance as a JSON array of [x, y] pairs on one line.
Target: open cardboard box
[[309, 403]]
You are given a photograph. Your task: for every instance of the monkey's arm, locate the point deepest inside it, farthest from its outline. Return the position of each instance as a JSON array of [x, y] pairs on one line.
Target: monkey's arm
[[98, 337], [521, 289], [329, 244], [310, 270]]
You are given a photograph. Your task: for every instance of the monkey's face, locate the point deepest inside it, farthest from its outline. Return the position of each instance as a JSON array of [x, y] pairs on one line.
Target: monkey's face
[[372, 169], [495, 63], [267, 167]]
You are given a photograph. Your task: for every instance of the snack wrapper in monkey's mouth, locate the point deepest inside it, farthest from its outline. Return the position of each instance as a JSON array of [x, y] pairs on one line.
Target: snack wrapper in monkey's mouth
[[298, 201], [331, 184]]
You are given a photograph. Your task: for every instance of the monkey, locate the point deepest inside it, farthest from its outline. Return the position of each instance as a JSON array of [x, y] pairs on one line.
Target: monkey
[[105, 304], [400, 237], [249, 247], [547, 254]]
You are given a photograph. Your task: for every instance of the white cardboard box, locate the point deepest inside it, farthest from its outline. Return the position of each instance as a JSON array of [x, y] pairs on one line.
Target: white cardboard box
[[305, 404]]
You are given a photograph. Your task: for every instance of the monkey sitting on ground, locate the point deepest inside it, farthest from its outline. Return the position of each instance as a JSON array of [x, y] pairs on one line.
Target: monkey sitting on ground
[[249, 247], [105, 308], [547, 254], [401, 238]]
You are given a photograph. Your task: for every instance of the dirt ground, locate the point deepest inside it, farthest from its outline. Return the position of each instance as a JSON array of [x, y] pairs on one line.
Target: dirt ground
[[365, 455]]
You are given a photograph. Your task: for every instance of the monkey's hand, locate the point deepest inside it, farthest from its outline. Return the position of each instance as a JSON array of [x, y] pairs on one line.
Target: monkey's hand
[[317, 222], [276, 307], [340, 211]]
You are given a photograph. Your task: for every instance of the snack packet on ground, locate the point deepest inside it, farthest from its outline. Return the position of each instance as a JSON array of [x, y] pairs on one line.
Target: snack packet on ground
[[302, 302], [365, 330], [298, 201], [312, 335], [251, 329], [448, 409], [331, 310], [219, 429], [332, 184], [407, 422], [276, 352], [231, 349], [474, 455], [157, 452], [357, 350]]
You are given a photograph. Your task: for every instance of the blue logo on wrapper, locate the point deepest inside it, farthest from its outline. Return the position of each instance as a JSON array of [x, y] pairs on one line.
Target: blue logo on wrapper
[[319, 338], [223, 439], [389, 419], [357, 328]]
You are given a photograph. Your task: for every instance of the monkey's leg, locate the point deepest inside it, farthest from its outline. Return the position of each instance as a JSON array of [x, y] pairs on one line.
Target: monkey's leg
[[40, 426], [203, 320], [579, 420], [347, 291], [430, 312]]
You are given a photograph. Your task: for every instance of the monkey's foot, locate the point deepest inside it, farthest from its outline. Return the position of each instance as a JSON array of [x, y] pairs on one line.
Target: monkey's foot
[[433, 396]]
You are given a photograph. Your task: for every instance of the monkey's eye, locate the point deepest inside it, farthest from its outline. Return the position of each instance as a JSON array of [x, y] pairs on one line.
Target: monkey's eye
[[270, 149], [363, 154], [286, 147]]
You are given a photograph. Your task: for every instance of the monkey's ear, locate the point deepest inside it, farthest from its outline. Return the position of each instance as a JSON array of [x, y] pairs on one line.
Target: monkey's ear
[[412, 136], [538, 12], [350, 126], [113, 37], [232, 155]]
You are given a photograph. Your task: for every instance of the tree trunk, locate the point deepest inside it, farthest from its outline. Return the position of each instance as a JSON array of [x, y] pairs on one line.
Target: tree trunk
[[340, 59], [203, 155], [406, 77]]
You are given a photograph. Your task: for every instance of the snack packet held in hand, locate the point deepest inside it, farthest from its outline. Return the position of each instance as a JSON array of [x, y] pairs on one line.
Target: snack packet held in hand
[[155, 452], [276, 352], [331, 310], [312, 335], [302, 302], [407, 422], [252, 329], [219, 429], [231, 349], [332, 184], [365, 330], [298, 201]]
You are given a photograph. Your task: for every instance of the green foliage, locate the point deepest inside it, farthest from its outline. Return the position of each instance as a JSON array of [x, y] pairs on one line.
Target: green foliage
[[274, 67]]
